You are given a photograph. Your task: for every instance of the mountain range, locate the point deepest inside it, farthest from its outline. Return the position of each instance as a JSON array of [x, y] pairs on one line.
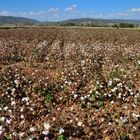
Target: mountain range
[[101, 21], [18, 20]]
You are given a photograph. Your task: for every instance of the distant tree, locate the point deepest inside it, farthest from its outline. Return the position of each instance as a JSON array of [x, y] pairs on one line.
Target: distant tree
[[81, 24], [68, 24], [137, 25], [123, 25], [28, 23], [115, 26], [127, 25]]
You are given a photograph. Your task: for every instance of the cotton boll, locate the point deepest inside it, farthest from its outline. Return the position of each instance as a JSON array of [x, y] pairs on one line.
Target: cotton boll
[[47, 126]]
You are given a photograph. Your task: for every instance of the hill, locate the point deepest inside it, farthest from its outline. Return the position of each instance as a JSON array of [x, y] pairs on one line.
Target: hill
[[16, 20], [101, 21]]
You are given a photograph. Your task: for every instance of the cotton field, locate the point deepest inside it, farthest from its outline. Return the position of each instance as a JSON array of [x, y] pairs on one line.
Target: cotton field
[[69, 84]]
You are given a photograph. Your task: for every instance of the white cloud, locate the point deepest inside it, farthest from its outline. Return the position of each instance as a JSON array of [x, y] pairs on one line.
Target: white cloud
[[32, 13], [53, 10], [134, 10], [4, 13], [71, 8]]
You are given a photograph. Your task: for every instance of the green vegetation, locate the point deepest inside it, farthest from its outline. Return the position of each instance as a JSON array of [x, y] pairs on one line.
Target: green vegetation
[[48, 97], [61, 137], [67, 24], [124, 25]]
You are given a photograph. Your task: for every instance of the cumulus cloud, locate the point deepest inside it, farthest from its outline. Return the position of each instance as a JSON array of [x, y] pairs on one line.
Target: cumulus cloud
[[134, 10], [31, 13], [71, 8], [4, 13], [53, 10]]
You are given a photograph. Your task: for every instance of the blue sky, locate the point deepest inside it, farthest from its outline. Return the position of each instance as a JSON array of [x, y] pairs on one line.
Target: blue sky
[[56, 10]]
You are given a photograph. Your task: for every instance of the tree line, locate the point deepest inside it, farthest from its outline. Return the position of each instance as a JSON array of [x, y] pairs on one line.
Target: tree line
[[119, 25]]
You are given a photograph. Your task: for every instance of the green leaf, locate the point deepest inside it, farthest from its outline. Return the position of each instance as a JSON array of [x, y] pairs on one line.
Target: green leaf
[[61, 137], [48, 97], [101, 103], [98, 104], [93, 96]]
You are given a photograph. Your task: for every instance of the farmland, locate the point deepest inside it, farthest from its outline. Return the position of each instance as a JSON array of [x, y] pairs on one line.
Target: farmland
[[69, 83]]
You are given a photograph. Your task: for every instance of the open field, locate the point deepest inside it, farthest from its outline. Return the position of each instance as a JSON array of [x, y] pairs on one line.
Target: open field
[[69, 83]]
